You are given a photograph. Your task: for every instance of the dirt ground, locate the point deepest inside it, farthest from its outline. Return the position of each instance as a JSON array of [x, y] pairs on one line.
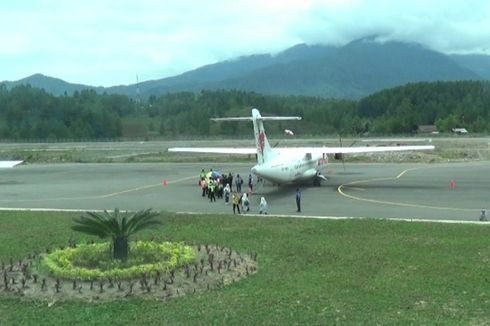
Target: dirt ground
[[215, 267]]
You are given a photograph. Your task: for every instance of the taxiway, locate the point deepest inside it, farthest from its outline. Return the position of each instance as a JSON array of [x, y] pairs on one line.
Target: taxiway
[[408, 191]]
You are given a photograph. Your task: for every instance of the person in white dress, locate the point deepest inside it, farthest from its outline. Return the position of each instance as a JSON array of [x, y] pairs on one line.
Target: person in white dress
[[263, 206]]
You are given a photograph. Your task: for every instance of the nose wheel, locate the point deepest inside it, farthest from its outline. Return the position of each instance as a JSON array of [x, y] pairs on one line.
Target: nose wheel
[[317, 182]]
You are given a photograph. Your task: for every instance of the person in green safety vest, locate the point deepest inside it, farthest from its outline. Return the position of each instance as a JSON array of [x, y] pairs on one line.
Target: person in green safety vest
[[212, 189]]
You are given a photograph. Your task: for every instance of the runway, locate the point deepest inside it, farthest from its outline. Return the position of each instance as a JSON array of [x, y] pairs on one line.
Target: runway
[[408, 191]]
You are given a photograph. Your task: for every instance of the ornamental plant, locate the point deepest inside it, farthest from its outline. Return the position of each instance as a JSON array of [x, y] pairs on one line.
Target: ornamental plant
[[118, 226], [90, 261]]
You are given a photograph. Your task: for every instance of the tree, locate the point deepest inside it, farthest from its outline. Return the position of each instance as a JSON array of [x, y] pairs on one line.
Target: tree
[[118, 226]]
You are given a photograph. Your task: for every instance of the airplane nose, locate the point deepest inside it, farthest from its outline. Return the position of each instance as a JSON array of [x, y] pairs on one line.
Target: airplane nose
[[256, 170]]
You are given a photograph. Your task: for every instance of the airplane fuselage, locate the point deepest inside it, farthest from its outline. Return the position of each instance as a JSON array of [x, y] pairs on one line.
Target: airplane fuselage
[[288, 169]]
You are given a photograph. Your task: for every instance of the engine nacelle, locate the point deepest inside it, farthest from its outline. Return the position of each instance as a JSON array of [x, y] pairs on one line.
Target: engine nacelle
[[338, 156], [308, 174]]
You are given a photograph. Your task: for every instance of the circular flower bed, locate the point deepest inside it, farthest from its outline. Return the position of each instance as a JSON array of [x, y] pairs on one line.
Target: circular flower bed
[[156, 271], [94, 261]]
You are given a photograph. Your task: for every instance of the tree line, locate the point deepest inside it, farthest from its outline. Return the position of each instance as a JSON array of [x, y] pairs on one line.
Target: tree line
[[447, 105], [400, 110], [28, 112], [32, 113]]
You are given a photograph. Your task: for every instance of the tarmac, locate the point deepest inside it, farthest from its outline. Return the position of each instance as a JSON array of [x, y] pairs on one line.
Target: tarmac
[[449, 192]]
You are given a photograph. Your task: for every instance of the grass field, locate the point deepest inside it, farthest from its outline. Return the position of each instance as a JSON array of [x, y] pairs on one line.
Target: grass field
[[310, 272], [447, 149]]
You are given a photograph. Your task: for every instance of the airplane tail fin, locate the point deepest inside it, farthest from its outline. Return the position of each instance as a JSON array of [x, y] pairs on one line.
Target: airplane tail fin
[[264, 149]]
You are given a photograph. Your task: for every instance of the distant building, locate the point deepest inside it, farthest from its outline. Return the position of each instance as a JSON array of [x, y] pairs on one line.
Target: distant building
[[427, 129], [459, 131]]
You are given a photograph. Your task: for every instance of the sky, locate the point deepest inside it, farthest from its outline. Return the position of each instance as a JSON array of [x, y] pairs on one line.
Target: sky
[[107, 43]]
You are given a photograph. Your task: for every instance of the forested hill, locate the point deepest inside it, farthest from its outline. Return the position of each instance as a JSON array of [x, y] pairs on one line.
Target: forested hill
[[394, 111], [31, 113], [446, 104], [352, 71], [52, 85]]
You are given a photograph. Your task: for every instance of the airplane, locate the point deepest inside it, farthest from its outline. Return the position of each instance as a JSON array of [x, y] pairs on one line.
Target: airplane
[[293, 164], [9, 164]]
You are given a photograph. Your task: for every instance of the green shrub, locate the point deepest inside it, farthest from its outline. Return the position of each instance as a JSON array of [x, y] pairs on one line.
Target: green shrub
[[93, 261]]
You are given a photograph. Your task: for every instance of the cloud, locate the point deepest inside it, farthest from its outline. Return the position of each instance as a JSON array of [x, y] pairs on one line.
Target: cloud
[[110, 42], [446, 26]]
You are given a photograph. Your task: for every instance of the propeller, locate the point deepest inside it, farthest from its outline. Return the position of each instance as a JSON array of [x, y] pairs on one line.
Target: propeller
[[287, 132], [341, 155]]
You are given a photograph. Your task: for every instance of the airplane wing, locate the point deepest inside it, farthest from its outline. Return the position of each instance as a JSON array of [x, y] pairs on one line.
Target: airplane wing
[[215, 150], [9, 164], [295, 150], [352, 150], [259, 118]]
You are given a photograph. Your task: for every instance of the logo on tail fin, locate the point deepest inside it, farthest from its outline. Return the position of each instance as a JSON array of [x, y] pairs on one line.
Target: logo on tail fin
[[261, 142]]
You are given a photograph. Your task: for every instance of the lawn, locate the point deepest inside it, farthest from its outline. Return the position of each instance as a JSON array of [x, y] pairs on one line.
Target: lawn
[[309, 272]]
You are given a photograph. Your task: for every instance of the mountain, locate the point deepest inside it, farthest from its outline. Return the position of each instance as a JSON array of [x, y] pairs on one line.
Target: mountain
[[357, 69], [51, 85], [354, 70], [476, 62], [222, 75]]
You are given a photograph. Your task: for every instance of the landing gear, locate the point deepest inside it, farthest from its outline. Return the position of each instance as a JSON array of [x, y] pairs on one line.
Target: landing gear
[[317, 182], [318, 179]]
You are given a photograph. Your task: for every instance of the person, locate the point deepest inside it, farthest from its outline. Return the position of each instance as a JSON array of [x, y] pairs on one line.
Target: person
[[298, 200], [226, 192], [220, 190], [236, 202], [204, 186], [212, 190], [202, 175], [245, 203], [230, 180], [250, 183], [238, 183], [483, 215], [263, 206]]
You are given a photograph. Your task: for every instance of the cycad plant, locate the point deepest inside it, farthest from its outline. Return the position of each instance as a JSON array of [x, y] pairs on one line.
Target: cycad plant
[[118, 226]]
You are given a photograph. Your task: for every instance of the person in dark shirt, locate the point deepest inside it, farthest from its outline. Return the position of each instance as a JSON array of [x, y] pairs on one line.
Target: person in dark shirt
[[238, 183], [298, 200]]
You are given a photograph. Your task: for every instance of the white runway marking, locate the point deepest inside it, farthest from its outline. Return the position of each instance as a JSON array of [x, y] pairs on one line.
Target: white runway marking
[[346, 218], [76, 210]]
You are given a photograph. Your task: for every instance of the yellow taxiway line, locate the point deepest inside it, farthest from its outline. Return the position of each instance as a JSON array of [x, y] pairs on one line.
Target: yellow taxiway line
[[145, 187], [113, 194], [383, 202]]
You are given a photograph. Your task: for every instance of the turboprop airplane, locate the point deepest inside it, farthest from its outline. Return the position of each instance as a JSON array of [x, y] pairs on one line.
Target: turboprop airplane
[[293, 164]]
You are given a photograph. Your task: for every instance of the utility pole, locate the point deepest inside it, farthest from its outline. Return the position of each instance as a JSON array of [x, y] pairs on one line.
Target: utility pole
[[138, 95]]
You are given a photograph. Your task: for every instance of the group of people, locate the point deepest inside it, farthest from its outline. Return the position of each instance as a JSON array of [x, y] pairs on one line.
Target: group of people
[[220, 186]]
